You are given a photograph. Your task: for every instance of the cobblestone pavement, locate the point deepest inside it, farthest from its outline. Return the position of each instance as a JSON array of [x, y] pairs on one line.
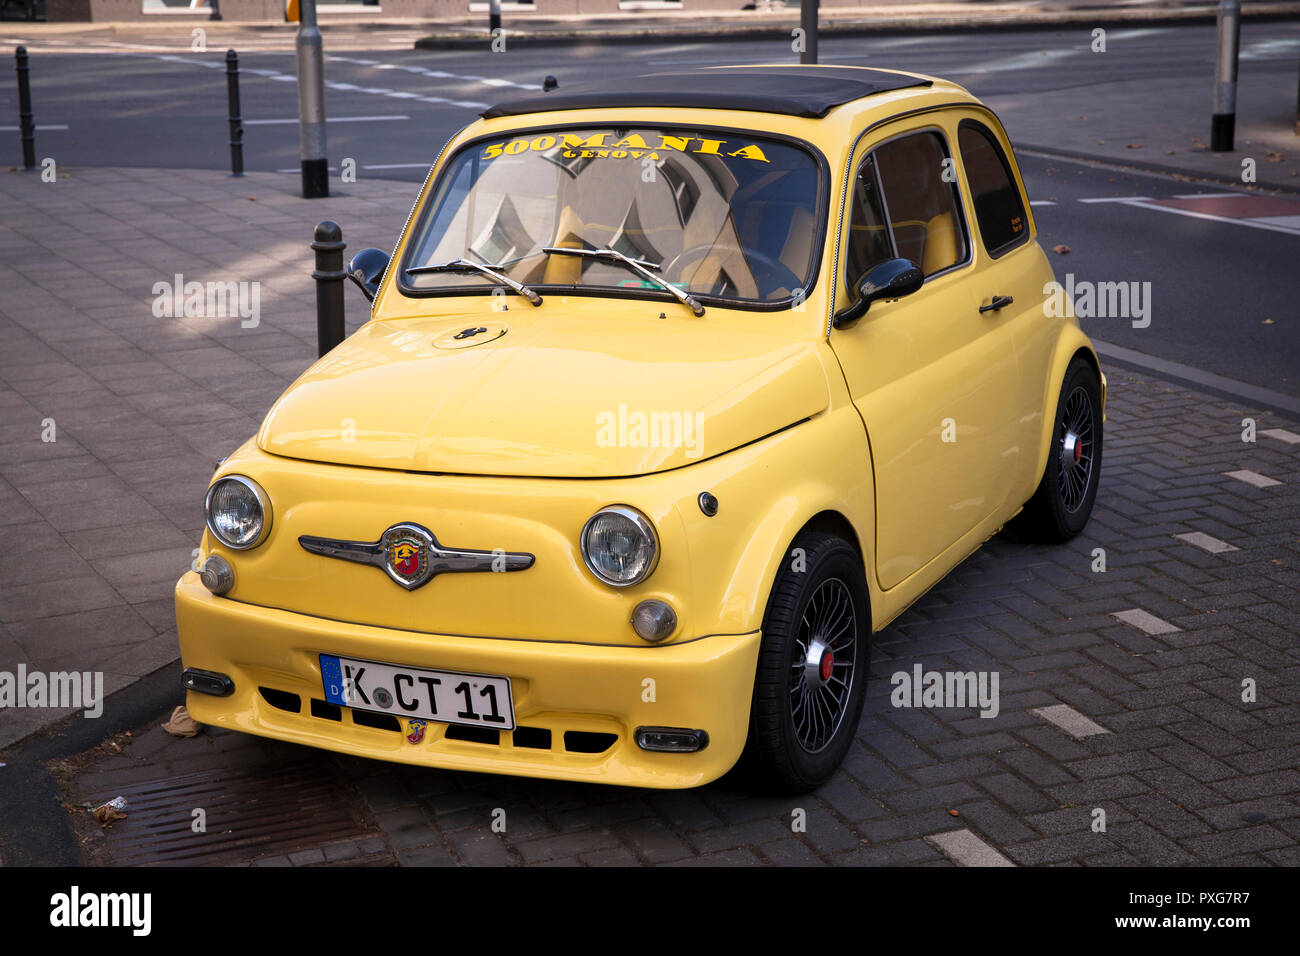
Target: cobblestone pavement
[[112, 416], [1164, 691]]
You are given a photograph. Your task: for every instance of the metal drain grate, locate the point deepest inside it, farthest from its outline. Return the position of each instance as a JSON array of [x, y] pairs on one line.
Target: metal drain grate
[[249, 813]]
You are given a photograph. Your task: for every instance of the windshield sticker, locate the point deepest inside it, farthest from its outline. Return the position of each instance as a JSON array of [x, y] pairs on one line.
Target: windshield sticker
[[632, 146]]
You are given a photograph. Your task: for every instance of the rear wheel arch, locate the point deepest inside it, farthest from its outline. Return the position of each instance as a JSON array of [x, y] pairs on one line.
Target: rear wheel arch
[[1072, 346], [1090, 357]]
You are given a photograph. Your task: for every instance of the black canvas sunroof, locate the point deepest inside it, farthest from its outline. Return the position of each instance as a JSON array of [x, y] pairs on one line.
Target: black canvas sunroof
[[795, 91]]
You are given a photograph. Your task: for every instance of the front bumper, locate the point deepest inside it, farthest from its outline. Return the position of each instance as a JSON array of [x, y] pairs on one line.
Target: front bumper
[[574, 691]]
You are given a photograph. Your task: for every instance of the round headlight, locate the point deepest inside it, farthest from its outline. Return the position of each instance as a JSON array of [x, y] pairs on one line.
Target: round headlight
[[238, 512], [619, 546]]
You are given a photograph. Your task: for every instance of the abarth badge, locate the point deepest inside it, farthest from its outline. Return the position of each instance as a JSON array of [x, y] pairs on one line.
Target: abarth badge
[[412, 556]]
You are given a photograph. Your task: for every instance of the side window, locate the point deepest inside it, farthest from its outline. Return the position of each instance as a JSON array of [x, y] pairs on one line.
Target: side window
[[921, 202], [998, 208], [869, 242]]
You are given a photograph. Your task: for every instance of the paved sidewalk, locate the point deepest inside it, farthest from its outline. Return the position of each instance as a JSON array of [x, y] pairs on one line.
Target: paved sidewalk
[[1121, 691], [100, 521]]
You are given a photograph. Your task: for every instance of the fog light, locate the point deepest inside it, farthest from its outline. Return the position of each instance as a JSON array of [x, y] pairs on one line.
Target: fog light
[[672, 740], [207, 682], [217, 575], [654, 620]]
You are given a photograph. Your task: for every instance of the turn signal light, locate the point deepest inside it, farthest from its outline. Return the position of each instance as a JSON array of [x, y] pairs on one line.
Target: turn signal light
[[672, 740], [207, 682]]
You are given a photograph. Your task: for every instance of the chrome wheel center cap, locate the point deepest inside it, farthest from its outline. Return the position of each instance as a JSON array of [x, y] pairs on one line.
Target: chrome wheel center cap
[[817, 664], [1071, 450]]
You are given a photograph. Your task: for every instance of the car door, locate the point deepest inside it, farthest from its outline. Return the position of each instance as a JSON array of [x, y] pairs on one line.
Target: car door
[[1016, 272], [931, 375]]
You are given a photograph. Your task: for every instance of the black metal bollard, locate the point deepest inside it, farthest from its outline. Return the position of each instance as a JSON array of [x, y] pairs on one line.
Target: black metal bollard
[[236, 122], [1223, 116], [808, 21], [26, 124], [329, 275]]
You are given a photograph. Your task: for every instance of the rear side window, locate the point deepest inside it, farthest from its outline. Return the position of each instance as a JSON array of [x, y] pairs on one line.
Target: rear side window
[[998, 208]]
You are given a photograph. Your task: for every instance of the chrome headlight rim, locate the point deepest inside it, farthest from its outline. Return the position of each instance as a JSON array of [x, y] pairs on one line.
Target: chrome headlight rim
[[263, 501], [644, 525]]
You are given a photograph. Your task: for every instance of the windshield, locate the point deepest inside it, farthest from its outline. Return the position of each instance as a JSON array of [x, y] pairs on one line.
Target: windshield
[[716, 213]]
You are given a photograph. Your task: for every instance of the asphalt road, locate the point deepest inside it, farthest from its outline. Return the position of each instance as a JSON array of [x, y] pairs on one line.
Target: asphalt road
[[1223, 294]]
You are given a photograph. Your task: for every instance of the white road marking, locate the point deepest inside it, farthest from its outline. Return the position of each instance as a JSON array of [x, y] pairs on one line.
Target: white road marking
[[1129, 34], [433, 74], [966, 849], [1075, 724], [1146, 202], [334, 169], [39, 129], [1206, 543], [328, 119], [1253, 478], [1281, 434], [329, 84], [1041, 202], [1145, 621], [1025, 61], [1252, 223], [1290, 222], [1275, 49]]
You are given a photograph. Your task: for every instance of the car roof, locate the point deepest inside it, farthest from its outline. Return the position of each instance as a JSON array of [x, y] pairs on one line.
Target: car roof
[[809, 91]]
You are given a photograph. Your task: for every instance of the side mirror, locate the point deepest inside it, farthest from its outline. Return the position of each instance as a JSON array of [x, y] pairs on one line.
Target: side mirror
[[892, 279], [366, 269]]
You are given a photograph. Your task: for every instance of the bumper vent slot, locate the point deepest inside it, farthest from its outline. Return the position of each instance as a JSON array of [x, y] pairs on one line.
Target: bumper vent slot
[[532, 738], [281, 699], [587, 742], [475, 735], [326, 711], [379, 721]]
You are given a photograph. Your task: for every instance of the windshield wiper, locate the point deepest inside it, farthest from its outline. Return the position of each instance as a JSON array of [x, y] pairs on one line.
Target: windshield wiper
[[639, 266], [465, 265]]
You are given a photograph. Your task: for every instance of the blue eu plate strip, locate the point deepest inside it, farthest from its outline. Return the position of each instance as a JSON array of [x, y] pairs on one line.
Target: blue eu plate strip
[[331, 672]]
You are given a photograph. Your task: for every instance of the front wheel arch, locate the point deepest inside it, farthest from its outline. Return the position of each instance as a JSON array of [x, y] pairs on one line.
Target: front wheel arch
[[785, 751]]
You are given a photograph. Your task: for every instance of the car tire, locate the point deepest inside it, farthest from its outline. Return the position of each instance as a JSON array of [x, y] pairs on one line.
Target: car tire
[[1063, 502], [812, 667]]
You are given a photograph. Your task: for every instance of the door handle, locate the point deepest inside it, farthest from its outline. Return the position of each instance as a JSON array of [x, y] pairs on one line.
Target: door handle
[[998, 302]]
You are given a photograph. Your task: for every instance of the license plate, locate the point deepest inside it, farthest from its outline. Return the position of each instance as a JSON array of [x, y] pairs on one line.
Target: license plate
[[445, 696]]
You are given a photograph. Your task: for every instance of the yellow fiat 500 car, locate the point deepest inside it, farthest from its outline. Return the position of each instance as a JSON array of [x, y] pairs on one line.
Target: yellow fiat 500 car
[[672, 392]]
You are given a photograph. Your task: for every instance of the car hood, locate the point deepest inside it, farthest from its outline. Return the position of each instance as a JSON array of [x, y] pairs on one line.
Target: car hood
[[547, 395]]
